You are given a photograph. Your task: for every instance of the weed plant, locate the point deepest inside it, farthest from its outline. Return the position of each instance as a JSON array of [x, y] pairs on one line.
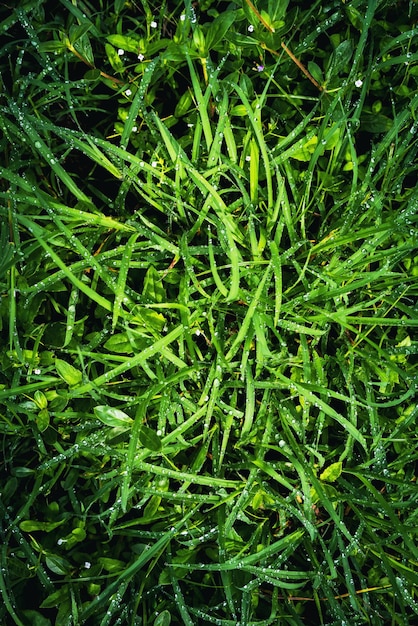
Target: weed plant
[[208, 313]]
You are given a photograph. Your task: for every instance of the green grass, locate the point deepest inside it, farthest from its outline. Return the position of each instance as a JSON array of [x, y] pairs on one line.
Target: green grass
[[208, 319]]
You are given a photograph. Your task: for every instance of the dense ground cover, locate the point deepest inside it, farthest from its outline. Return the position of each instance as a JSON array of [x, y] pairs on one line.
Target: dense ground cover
[[208, 313]]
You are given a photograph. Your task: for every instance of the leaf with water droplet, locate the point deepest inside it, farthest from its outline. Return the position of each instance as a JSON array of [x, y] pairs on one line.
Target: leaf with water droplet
[[163, 619], [150, 439]]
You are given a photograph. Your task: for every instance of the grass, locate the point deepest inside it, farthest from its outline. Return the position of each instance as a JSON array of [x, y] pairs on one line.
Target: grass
[[208, 313]]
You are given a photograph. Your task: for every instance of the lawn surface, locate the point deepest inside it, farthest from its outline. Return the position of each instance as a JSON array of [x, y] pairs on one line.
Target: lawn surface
[[208, 313]]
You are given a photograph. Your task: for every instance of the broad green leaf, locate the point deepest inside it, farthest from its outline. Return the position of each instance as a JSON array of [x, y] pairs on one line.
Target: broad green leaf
[[149, 319], [83, 46], [375, 123], [23, 472], [77, 31], [92, 75], [77, 535], [316, 72], [40, 399], [42, 420], [332, 472], [239, 110], [57, 598], [114, 59], [277, 9], [184, 104], [119, 343], [163, 619], [34, 618], [129, 44], [58, 565], [331, 137], [112, 417], [54, 47], [68, 372], [306, 150], [267, 19], [199, 41], [151, 508], [354, 16], [330, 492], [218, 29], [339, 59], [29, 526], [111, 565], [153, 287], [149, 439], [122, 344]]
